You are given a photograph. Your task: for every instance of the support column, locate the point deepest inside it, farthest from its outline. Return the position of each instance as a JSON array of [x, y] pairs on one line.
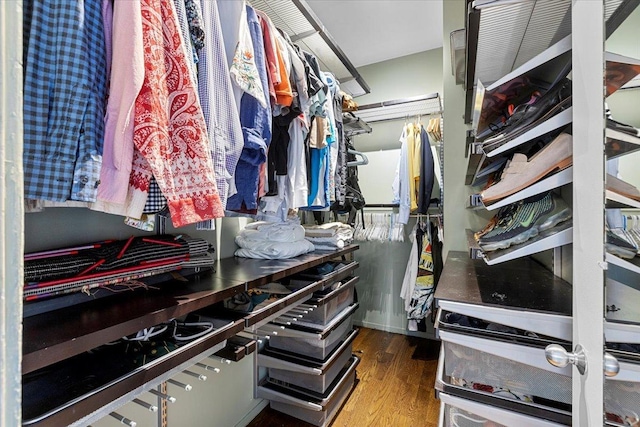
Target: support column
[[588, 207]]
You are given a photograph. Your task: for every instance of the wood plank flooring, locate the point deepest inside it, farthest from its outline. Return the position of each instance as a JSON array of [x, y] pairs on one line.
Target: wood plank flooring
[[395, 389]]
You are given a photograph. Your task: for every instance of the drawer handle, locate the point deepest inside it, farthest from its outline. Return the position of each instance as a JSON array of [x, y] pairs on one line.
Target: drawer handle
[[611, 365], [559, 357]]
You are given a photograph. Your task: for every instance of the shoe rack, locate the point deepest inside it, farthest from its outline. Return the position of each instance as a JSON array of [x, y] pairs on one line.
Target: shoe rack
[[511, 320]]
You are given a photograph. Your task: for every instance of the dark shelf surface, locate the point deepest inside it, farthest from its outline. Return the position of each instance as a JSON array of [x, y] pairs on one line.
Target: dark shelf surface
[[257, 272], [522, 284], [54, 336], [95, 400]]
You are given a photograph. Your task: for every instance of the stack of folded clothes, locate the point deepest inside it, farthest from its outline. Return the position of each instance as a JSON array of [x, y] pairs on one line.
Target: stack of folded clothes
[[108, 263], [267, 240], [330, 236]]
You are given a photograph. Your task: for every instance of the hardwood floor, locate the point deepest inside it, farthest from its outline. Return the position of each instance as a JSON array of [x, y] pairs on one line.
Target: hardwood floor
[[395, 389]]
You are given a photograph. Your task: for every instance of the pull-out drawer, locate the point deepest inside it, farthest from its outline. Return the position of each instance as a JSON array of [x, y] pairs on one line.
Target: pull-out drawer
[[329, 302], [339, 271], [456, 322], [313, 341], [457, 412], [314, 408], [510, 376], [622, 396], [302, 372], [549, 324]]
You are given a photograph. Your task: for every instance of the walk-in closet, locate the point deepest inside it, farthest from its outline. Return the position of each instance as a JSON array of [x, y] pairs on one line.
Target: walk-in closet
[[298, 213]]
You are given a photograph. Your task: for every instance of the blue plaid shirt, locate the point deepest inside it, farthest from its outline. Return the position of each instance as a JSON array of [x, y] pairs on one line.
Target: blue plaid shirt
[[64, 98]]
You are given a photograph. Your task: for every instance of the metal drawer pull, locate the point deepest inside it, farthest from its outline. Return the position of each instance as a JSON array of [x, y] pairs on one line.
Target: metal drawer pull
[[123, 420], [148, 406], [559, 357], [163, 396], [185, 387], [611, 365], [220, 359], [195, 375], [208, 368]]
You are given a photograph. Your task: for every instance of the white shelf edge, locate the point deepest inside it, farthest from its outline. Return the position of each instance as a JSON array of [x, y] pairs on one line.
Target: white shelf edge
[[553, 325], [622, 263], [502, 416], [561, 119], [621, 332], [559, 179], [615, 135], [621, 201], [545, 56], [554, 240]]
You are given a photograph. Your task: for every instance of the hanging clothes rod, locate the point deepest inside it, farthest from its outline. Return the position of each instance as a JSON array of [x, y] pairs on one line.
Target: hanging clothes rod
[[434, 96], [423, 105]]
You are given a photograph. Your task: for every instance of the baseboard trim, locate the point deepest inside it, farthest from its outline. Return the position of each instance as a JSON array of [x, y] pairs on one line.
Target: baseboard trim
[[252, 413]]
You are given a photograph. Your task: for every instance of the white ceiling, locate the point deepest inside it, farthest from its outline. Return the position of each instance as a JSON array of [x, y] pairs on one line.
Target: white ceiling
[[370, 31]]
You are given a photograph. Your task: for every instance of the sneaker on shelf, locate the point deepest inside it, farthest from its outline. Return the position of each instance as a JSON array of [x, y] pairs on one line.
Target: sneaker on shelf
[[503, 216], [618, 244], [535, 215], [623, 188], [521, 172], [530, 114]]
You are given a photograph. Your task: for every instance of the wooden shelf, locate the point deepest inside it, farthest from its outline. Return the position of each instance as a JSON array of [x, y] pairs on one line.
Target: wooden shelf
[[109, 396], [51, 337], [521, 285], [554, 181], [257, 272]]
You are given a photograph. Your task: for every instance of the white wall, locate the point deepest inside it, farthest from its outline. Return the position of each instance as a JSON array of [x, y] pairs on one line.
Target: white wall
[[375, 179]]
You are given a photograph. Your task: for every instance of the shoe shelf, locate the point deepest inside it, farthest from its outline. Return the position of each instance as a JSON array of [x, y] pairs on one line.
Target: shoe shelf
[[535, 27], [620, 143], [522, 293], [618, 201], [632, 264], [54, 336], [619, 71], [555, 237], [622, 302], [558, 121], [556, 180]]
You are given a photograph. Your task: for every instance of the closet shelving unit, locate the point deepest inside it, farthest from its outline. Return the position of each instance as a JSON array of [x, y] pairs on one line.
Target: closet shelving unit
[[501, 355], [421, 105], [56, 336]]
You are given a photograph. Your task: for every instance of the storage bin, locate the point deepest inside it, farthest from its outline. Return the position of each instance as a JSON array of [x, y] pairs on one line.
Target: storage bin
[[330, 302], [315, 343], [506, 374], [457, 412], [306, 373], [340, 271], [319, 410]]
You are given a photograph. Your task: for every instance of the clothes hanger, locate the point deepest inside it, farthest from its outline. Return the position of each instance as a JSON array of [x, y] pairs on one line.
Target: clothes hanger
[[363, 158]]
